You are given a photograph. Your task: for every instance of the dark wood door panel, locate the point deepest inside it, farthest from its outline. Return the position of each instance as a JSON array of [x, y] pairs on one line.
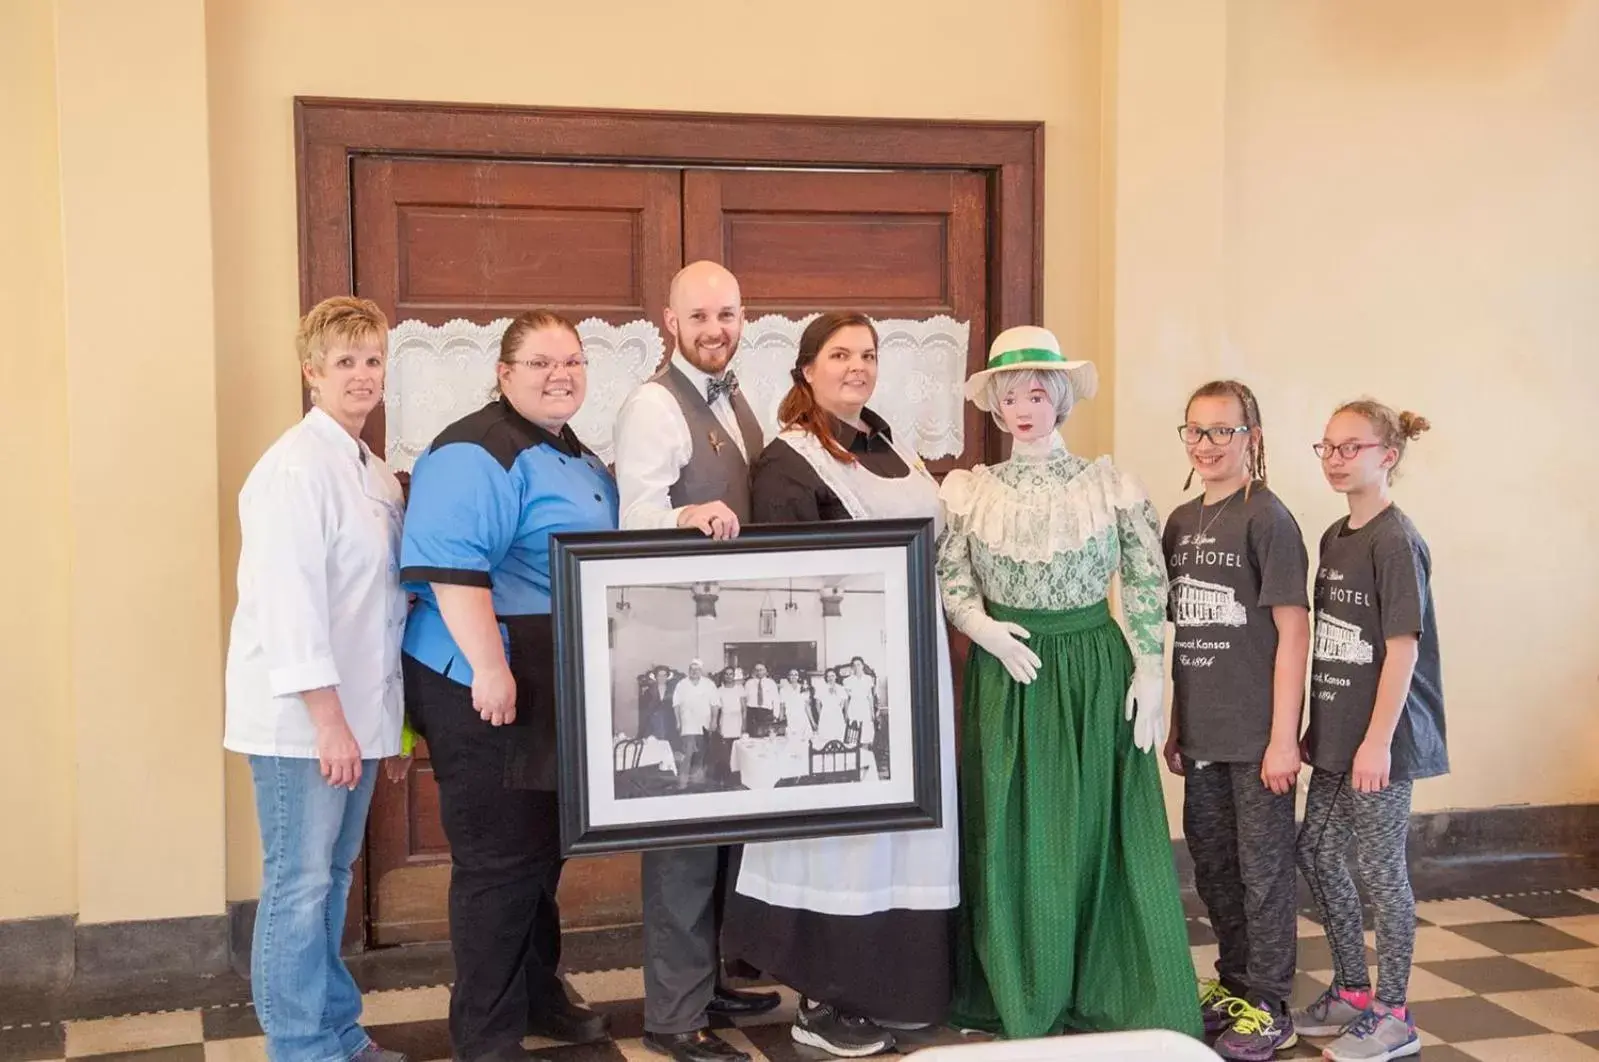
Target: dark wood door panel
[[889, 244], [441, 239]]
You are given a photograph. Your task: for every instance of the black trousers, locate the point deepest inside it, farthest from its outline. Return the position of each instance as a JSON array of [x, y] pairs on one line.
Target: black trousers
[[505, 928]]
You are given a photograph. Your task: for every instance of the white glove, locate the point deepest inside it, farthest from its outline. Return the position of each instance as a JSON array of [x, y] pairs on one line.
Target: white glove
[[1002, 640], [1145, 707]]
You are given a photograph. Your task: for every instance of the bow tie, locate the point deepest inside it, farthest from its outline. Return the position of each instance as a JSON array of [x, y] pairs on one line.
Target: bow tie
[[727, 385]]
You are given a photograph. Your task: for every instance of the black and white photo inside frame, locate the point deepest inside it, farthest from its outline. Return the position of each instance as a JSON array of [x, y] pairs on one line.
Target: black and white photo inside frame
[[781, 684]]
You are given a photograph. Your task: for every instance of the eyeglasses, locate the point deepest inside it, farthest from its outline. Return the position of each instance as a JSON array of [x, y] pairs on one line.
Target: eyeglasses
[[1346, 450], [543, 366], [1191, 434]]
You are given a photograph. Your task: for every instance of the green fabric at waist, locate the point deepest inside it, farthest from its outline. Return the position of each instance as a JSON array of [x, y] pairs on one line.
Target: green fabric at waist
[[1052, 621]]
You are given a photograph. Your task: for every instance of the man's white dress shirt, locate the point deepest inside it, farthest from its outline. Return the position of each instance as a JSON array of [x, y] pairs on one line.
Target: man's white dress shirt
[[653, 445]]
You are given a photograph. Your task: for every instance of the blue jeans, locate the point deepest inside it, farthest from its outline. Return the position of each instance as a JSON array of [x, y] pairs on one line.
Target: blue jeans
[[305, 999]]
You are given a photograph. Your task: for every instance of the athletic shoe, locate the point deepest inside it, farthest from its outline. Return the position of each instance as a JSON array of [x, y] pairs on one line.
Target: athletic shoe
[[1376, 1036]]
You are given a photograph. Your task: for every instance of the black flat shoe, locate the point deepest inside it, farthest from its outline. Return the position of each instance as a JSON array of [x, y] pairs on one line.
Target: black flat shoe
[[701, 1045], [732, 1003], [569, 1023]]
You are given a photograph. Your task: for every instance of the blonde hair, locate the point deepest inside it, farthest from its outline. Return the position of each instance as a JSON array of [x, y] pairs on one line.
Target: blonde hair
[[1393, 429], [342, 321]]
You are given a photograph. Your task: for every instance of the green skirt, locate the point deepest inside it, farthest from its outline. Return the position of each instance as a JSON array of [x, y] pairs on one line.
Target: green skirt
[[1070, 917]]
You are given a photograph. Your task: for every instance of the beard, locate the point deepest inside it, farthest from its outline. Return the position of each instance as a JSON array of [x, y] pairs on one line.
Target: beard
[[716, 358]]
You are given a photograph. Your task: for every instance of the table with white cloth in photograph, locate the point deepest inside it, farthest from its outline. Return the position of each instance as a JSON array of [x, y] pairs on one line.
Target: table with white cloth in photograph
[[761, 763]]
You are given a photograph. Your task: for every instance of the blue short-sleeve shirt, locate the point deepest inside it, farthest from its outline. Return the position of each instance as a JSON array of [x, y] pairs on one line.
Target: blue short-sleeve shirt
[[485, 499]]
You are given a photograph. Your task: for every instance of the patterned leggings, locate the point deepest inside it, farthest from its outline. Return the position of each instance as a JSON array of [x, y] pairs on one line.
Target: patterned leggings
[[1379, 824]]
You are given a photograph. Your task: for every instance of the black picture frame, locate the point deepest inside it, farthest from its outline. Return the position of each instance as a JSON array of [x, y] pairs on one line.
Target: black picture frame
[[571, 552]]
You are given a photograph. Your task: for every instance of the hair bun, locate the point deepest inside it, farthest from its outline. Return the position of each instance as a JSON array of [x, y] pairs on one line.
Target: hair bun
[[1412, 425]]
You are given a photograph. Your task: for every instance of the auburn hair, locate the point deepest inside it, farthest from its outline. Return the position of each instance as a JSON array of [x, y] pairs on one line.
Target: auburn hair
[[799, 408]]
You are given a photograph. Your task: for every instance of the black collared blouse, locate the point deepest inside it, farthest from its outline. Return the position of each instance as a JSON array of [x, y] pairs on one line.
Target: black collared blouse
[[785, 489]]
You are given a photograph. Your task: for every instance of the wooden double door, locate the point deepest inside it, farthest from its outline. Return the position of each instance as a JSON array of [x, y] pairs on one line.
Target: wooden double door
[[441, 238]]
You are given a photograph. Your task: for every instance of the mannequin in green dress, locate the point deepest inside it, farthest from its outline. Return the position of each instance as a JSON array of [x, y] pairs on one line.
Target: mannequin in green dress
[[1070, 917]]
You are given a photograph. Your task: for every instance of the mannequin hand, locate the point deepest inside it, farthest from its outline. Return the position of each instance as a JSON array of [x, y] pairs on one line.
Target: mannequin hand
[[1146, 710], [1003, 643]]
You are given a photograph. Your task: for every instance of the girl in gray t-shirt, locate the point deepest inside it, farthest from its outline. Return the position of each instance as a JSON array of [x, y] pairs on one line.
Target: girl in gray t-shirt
[[1237, 568], [1376, 725]]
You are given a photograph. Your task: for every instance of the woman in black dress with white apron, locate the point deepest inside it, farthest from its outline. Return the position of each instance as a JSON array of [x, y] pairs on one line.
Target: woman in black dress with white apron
[[831, 916]]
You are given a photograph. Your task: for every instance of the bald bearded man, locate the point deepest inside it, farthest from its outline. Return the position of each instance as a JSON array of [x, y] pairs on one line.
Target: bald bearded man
[[685, 441]]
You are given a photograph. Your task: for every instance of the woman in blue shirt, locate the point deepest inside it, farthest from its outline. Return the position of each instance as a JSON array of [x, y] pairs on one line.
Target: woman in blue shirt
[[479, 669]]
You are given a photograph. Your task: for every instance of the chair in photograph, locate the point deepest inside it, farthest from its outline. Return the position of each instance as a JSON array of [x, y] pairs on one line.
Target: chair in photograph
[[880, 746], [627, 753], [1150, 1045], [852, 735], [835, 762]]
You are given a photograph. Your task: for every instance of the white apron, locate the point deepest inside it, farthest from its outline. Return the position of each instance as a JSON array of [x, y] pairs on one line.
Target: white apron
[[916, 870]]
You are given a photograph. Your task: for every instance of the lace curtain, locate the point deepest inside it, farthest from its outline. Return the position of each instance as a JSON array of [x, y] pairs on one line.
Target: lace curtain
[[438, 374]]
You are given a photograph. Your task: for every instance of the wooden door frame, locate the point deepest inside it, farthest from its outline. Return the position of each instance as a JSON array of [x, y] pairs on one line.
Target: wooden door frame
[[330, 132]]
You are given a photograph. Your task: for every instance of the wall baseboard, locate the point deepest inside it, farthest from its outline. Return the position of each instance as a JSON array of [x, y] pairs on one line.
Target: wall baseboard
[[48, 954], [1451, 853]]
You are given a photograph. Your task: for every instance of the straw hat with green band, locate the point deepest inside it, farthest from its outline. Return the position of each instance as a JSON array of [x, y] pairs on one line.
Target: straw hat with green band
[[1031, 347]]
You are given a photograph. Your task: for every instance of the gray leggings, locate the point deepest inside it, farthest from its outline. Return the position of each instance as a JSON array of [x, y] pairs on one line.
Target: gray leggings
[[1379, 824]]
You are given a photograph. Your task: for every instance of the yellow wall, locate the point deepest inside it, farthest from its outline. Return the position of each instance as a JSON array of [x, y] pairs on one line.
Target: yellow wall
[[1322, 197], [36, 706], [827, 57], [1405, 206], [141, 417]]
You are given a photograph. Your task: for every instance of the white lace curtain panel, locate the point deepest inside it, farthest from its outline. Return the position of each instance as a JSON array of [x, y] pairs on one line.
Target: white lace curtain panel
[[438, 374]]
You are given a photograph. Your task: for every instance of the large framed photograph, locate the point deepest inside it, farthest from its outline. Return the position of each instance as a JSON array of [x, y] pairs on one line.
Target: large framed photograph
[[781, 684]]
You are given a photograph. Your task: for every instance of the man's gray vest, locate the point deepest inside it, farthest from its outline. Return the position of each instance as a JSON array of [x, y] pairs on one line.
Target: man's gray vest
[[716, 470]]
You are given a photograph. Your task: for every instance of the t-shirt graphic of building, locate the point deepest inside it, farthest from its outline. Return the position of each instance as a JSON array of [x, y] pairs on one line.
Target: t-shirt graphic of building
[[1339, 641], [1201, 604]]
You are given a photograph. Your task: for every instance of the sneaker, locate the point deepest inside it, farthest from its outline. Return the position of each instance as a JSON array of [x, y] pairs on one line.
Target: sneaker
[[1256, 1034], [1215, 1004], [822, 1026], [1376, 1036], [1330, 1015], [373, 1053]]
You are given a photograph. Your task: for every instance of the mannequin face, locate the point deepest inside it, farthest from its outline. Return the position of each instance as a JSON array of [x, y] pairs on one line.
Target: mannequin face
[[1027, 410]]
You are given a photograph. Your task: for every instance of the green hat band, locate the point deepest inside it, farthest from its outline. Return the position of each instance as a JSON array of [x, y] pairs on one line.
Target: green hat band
[[1025, 354]]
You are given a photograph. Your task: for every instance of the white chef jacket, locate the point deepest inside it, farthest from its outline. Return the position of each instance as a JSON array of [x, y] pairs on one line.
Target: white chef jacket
[[694, 702], [320, 602]]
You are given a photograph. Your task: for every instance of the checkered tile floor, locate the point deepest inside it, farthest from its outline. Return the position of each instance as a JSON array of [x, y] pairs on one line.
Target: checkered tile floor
[[1497, 979]]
